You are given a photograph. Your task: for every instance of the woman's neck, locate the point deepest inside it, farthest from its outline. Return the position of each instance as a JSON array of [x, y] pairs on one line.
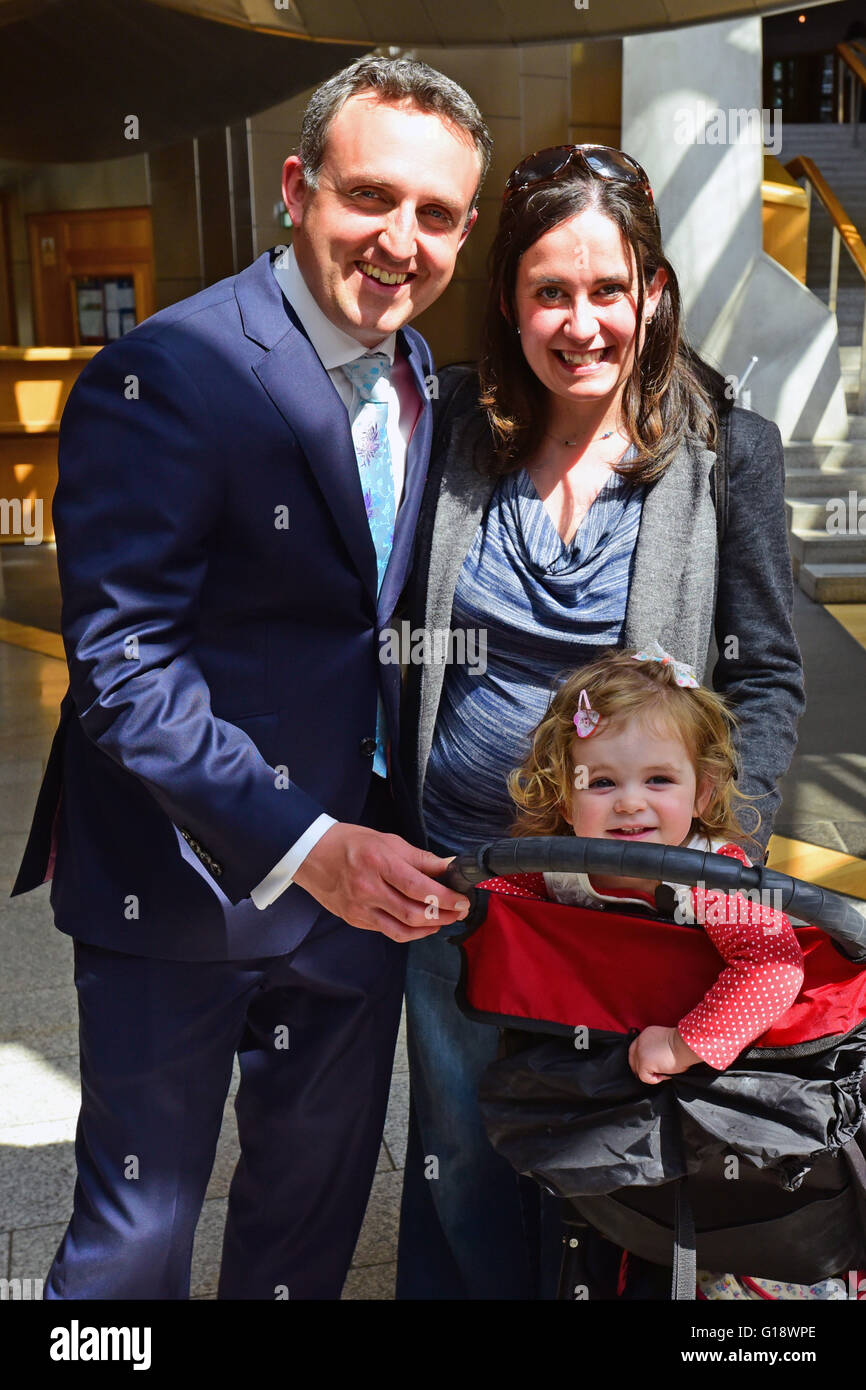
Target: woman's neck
[[577, 427]]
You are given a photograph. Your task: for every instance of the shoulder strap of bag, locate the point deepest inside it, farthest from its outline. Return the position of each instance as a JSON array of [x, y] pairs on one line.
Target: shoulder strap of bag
[[718, 389], [720, 472], [454, 382]]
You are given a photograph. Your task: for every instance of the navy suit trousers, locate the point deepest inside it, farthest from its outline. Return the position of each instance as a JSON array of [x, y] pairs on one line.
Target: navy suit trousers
[[314, 1032]]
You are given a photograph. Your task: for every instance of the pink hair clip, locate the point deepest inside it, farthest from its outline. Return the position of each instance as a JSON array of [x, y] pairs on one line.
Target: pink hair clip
[[586, 719]]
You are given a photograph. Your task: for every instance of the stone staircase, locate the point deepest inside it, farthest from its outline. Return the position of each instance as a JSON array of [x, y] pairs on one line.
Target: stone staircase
[[824, 488], [825, 491]]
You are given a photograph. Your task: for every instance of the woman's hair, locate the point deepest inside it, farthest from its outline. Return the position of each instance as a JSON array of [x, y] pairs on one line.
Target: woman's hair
[[621, 689], [664, 399]]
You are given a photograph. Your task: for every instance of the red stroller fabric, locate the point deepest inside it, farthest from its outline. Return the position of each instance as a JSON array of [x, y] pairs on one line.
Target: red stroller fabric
[[548, 962]]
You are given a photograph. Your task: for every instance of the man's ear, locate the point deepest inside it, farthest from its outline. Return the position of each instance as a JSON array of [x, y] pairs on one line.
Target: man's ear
[[295, 189], [470, 223]]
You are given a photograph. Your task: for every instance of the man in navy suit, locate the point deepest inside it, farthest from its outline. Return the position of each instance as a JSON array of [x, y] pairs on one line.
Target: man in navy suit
[[218, 808]]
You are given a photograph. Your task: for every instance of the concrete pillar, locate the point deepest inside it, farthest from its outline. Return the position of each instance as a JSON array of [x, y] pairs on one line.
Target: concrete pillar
[[691, 114]]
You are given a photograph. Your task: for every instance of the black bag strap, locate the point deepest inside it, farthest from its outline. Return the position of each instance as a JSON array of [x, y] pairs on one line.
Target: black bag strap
[[854, 1153], [454, 383], [720, 473], [718, 388], [684, 1274]]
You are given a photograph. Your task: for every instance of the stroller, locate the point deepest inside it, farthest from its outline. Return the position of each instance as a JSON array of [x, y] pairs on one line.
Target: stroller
[[757, 1170]]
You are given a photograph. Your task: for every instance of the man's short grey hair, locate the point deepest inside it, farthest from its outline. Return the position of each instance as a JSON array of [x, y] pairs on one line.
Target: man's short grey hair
[[394, 80]]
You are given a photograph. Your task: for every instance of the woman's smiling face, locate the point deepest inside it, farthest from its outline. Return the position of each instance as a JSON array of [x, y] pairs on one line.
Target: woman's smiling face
[[576, 303]]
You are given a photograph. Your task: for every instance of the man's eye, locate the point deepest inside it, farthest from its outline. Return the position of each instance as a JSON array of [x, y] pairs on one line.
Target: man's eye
[[367, 195], [438, 215]]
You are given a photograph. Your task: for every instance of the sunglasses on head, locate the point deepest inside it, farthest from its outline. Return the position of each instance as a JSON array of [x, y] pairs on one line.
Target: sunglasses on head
[[598, 161]]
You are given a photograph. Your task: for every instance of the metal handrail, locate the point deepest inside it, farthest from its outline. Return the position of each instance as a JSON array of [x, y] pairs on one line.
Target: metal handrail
[[848, 56], [844, 232]]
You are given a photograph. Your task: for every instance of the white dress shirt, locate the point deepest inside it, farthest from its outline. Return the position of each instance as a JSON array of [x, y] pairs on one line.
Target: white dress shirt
[[334, 348]]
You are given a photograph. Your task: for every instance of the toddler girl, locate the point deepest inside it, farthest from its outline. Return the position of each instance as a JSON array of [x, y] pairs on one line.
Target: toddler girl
[[633, 749]]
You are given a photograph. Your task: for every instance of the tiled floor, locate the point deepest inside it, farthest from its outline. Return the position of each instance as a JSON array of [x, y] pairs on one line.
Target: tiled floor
[[823, 820]]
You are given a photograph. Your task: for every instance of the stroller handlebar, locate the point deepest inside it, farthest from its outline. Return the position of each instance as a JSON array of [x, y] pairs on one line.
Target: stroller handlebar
[[838, 916]]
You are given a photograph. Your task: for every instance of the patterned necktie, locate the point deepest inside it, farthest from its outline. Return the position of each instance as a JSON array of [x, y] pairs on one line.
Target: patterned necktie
[[369, 376]]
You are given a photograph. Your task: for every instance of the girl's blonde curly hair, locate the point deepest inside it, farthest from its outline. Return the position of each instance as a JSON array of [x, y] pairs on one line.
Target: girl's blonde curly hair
[[620, 688]]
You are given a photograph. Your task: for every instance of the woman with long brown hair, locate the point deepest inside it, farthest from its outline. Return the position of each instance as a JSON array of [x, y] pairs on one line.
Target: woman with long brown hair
[[575, 502]]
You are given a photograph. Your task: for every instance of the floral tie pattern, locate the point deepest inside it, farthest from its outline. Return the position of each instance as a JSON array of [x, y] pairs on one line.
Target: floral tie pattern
[[369, 376]]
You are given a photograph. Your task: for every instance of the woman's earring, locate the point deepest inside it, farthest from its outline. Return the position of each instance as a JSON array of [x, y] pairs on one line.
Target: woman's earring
[[518, 330]]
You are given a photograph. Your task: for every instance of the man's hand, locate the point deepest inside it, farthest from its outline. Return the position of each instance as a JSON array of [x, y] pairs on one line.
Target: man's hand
[[379, 882], [658, 1053]]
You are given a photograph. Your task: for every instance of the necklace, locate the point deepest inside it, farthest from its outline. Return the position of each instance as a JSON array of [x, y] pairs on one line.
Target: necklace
[[571, 443]]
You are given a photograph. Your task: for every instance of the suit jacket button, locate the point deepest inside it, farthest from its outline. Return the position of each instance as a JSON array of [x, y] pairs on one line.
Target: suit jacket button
[[368, 747]]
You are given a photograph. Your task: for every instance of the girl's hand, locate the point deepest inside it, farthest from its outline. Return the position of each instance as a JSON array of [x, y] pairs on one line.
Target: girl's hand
[[657, 1053]]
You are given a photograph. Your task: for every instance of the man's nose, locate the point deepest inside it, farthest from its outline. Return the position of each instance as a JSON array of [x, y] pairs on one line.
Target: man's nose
[[398, 239]]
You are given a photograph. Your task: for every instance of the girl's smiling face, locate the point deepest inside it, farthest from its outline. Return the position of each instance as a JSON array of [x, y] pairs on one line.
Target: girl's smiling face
[[635, 782], [576, 304]]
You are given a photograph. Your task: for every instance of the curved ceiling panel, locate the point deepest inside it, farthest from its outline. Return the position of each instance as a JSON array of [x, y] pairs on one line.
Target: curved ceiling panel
[[445, 22], [72, 72], [454, 22]]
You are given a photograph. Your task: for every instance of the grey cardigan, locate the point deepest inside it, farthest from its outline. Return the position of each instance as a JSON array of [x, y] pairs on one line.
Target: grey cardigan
[[682, 592]]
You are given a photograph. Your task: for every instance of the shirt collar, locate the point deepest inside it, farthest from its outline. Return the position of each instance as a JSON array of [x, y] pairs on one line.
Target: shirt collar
[[333, 347]]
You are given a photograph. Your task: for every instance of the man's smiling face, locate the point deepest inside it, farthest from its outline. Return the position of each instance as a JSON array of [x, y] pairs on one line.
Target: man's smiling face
[[377, 238]]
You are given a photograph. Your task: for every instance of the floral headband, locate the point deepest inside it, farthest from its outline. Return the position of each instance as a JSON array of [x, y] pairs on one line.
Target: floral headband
[[586, 719]]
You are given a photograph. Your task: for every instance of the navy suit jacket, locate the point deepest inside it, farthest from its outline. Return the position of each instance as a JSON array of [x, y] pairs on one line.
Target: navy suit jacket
[[221, 626]]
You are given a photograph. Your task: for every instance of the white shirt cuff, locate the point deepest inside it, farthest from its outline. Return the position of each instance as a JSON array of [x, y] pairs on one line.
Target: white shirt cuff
[[282, 874]]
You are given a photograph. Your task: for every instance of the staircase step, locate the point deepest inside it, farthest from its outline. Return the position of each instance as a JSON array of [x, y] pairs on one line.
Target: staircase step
[[812, 483], [834, 583], [821, 547], [806, 513], [833, 455], [825, 514]]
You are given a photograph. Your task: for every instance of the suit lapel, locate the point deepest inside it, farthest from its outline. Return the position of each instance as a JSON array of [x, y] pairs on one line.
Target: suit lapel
[[300, 388], [416, 474], [302, 391]]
